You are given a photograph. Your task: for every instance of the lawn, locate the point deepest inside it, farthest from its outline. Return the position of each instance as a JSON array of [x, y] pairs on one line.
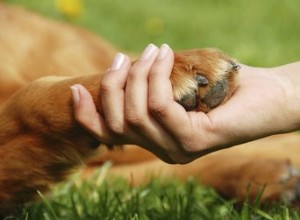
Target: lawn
[[260, 33], [160, 199]]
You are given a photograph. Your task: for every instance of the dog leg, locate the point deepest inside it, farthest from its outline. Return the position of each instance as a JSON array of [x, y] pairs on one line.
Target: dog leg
[[235, 173], [40, 142]]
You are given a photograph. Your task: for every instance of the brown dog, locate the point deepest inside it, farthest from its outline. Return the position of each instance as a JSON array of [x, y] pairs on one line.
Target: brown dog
[[41, 143]]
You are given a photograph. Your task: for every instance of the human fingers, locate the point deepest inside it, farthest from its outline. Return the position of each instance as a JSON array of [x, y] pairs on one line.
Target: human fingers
[[136, 93], [153, 137], [160, 88], [86, 114], [150, 134], [161, 102], [112, 93]]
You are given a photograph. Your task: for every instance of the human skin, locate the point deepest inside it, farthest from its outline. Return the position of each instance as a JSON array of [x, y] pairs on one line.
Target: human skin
[[138, 108]]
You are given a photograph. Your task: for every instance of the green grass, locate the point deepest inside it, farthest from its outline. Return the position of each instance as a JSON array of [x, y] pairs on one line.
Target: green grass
[[257, 32], [159, 199]]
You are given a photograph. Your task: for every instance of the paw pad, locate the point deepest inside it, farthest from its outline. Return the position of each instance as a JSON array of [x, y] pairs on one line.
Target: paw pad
[[189, 102]]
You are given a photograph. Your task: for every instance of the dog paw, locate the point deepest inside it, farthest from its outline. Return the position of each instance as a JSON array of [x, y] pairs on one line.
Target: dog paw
[[203, 79], [284, 184], [274, 180]]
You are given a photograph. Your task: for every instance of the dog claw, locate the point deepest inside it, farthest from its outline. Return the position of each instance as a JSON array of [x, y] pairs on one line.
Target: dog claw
[[235, 66], [290, 181], [201, 80]]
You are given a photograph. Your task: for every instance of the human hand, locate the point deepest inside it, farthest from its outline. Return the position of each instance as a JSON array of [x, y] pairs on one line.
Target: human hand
[[125, 118], [138, 108]]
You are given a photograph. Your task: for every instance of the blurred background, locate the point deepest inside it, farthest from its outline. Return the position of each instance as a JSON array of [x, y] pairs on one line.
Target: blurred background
[[261, 33]]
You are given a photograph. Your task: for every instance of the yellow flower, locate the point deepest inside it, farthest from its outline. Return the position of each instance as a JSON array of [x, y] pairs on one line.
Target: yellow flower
[[69, 8]]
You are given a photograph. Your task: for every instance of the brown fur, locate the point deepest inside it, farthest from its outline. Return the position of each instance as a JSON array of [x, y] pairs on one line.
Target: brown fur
[[41, 143], [258, 163]]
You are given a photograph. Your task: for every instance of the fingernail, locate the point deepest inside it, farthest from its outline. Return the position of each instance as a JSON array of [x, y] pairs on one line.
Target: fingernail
[[118, 61], [163, 51], [75, 94], [148, 52]]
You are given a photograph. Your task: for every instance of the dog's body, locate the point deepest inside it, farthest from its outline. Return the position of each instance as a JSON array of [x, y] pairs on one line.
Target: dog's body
[[40, 142]]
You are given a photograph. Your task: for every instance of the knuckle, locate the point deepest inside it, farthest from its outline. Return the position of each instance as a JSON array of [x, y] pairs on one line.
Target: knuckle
[[106, 86], [134, 70], [194, 150], [157, 107], [134, 118], [132, 78], [136, 73], [135, 122], [187, 150], [116, 127]]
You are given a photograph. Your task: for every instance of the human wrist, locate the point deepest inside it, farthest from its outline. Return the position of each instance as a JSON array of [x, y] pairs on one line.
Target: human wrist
[[289, 78], [269, 107]]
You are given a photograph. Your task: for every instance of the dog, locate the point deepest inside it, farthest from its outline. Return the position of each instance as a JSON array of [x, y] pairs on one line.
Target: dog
[[41, 143]]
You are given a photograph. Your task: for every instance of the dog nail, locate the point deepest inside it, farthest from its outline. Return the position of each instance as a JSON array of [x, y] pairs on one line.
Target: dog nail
[[201, 80], [235, 66]]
